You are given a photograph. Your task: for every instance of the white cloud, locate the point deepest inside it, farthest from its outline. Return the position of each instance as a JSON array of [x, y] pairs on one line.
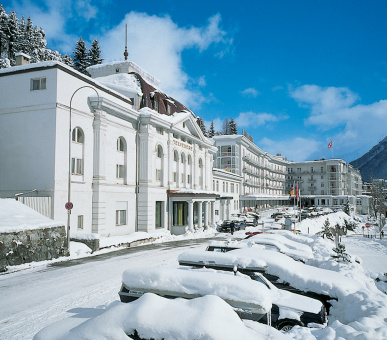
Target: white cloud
[[297, 149], [355, 127], [85, 9], [252, 119], [156, 43], [250, 92]]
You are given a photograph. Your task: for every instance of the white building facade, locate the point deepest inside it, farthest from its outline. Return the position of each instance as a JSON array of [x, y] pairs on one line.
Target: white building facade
[[138, 159], [263, 175], [325, 182]]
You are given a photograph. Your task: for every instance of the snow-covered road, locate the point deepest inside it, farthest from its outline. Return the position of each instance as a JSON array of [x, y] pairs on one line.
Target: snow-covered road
[[34, 298]]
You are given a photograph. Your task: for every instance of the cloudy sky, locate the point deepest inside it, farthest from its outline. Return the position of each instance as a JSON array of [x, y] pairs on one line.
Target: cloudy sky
[[294, 74]]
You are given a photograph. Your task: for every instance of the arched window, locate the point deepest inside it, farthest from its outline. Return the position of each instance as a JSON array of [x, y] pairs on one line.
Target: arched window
[[175, 156], [78, 139], [189, 160], [121, 160], [159, 151], [175, 166], [182, 158], [159, 164], [121, 144], [77, 135]]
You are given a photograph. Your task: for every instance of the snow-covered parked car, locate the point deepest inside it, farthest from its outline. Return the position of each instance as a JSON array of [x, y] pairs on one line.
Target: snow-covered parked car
[[287, 309], [154, 317], [250, 300], [282, 271], [298, 251]]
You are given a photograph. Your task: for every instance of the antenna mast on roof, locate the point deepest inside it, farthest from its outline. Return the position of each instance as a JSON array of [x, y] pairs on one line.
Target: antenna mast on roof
[[126, 42]]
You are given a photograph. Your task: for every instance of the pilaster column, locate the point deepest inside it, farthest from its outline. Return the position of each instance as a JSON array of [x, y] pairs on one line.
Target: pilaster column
[[190, 215], [213, 213], [206, 214], [200, 214]]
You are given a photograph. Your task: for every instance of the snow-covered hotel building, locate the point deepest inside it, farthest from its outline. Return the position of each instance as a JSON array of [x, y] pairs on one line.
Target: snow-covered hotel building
[[325, 182], [138, 159], [263, 175]]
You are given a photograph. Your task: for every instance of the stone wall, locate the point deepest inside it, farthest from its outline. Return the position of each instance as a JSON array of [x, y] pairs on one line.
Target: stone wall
[[32, 245]]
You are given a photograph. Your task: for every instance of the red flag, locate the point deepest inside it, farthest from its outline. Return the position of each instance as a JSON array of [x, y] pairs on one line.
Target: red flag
[[330, 145], [296, 191]]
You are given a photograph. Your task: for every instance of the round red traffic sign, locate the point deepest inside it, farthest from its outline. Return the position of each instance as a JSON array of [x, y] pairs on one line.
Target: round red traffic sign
[[367, 225], [68, 205]]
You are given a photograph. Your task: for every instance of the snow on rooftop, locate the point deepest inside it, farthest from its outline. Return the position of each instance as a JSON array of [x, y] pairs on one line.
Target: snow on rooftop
[[15, 217], [126, 84]]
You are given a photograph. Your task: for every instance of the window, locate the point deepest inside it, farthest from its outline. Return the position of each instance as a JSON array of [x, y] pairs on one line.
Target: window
[[80, 221], [38, 84], [232, 187], [159, 214], [120, 217], [322, 185], [189, 159], [159, 152], [189, 179], [77, 135], [76, 166], [182, 178], [175, 156], [120, 173], [155, 104], [175, 177], [322, 192], [120, 144], [168, 109]]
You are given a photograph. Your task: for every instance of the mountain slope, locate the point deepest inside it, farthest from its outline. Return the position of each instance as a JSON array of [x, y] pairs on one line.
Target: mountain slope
[[373, 164]]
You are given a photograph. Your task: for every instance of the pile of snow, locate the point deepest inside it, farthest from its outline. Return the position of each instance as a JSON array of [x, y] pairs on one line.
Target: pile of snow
[[15, 217], [154, 317], [315, 225]]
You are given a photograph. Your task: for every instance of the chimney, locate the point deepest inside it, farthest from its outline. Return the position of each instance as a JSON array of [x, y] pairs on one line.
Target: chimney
[[22, 59]]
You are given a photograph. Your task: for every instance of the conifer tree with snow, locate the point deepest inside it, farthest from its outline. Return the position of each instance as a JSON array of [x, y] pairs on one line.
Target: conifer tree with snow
[[81, 57], [233, 127], [21, 36], [340, 254], [95, 53], [202, 126], [326, 231], [211, 132], [226, 127], [347, 208]]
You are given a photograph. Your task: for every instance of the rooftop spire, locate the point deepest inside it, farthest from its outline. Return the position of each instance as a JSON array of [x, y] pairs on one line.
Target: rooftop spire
[[126, 42]]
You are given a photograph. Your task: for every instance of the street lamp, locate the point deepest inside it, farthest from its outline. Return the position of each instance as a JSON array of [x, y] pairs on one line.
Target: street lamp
[[69, 205]]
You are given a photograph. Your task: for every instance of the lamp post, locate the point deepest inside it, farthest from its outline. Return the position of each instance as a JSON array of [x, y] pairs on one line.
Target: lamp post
[[69, 205]]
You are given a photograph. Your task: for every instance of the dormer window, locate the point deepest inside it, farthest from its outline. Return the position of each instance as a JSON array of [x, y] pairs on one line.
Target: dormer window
[[168, 109], [117, 70], [155, 103]]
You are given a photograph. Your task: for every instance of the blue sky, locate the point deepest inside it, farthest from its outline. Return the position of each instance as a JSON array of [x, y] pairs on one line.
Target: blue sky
[[294, 74]]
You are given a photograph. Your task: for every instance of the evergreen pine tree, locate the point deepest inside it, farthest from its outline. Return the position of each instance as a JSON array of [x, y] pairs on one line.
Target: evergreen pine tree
[[347, 208], [211, 133], [233, 127], [95, 53], [80, 57], [340, 254], [226, 127], [3, 33], [326, 231], [13, 34]]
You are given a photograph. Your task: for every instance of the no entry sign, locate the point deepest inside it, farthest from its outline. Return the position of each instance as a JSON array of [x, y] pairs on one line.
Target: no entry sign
[[367, 225]]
